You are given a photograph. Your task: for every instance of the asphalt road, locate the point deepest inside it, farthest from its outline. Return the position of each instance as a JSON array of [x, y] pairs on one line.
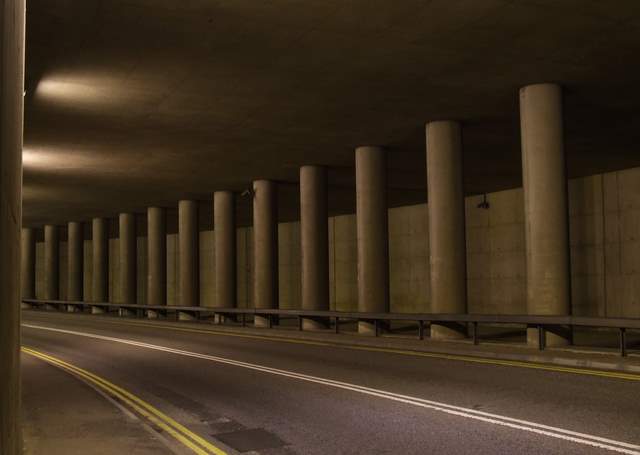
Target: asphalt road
[[276, 397]]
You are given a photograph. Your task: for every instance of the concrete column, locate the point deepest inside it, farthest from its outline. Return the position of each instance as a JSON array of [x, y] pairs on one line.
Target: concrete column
[[51, 262], [100, 242], [128, 258], [224, 229], [188, 254], [314, 241], [265, 247], [28, 263], [372, 233], [11, 115], [75, 260], [157, 258], [545, 206], [447, 244]]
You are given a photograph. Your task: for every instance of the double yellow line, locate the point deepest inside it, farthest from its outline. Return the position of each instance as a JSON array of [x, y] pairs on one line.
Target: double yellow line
[[179, 432]]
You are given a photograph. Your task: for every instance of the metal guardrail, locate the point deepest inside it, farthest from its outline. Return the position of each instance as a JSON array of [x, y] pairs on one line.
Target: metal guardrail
[[542, 323]]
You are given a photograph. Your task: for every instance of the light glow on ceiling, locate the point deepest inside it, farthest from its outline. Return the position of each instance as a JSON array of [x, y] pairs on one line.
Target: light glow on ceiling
[[36, 158], [71, 90]]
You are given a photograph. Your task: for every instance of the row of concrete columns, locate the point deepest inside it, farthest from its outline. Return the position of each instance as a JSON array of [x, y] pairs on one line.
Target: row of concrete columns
[[546, 233]]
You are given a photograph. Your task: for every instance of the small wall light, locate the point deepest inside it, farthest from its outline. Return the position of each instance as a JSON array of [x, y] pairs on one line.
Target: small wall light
[[484, 204]]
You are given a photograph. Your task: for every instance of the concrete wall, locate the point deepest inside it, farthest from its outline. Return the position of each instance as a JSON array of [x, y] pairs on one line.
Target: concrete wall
[[343, 263], [496, 253], [409, 259], [244, 266], [621, 207], [207, 269], [289, 265], [173, 296], [604, 232]]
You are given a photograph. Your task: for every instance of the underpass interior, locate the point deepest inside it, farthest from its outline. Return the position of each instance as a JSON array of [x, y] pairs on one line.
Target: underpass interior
[[319, 227]]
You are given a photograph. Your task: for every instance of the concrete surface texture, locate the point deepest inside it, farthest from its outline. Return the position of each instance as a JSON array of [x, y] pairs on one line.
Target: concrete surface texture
[[604, 215], [54, 424], [103, 260], [155, 243], [228, 402], [11, 114], [224, 226], [28, 263], [545, 205], [51, 262], [75, 257], [128, 256], [265, 245], [447, 258], [159, 104], [188, 253], [314, 240], [372, 228]]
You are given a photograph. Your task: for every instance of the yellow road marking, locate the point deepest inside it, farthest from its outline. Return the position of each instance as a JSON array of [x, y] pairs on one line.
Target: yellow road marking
[[406, 352], [179, 432]]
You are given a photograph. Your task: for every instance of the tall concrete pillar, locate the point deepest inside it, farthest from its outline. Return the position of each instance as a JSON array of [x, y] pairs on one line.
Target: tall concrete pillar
[[100, 243], [314, 240], [156, 257], [75, 260], [128, 258], [11, 115], [51, 263], [372, 233], [447, 244], [28, 263], [224, 230], [545, 206], [265, 247], [188, 253]]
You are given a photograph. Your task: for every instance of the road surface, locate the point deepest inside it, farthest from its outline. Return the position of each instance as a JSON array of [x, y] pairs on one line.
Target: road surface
[[252, 395]]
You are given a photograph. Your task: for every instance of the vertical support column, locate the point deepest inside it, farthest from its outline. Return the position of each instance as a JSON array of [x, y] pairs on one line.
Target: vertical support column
[[448, 257], [224, 230], [188, 255], [157, 258], [265, 247], [28, 263], [75, 259], [128, 259], [100, 243], [51, 262], [373, 234], [11, 115], [314, 240], [545, 207]]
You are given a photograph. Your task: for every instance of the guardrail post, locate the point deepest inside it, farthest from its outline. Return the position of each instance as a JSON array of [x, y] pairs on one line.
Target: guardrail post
[[421, 330], [476, 338], [337, 327], [244, 319], [299, 322], [541, 336], [376, 327], [270, 321], [623, 341]]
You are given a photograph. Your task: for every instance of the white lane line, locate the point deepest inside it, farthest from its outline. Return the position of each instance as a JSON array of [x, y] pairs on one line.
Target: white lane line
[[524, 425]]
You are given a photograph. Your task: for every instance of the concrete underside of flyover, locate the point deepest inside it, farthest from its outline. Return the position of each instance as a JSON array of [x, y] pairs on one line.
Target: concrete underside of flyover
[[130, 105]]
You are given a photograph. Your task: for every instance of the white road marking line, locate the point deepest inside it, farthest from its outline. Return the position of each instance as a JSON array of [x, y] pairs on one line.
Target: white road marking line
[[524, 425]]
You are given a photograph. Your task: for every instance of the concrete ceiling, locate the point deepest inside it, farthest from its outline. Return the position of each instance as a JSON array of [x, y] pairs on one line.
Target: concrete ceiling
[[132, 103]]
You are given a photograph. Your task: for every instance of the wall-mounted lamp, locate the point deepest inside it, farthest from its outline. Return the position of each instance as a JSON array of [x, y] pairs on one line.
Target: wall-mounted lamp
[[484, 204]]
